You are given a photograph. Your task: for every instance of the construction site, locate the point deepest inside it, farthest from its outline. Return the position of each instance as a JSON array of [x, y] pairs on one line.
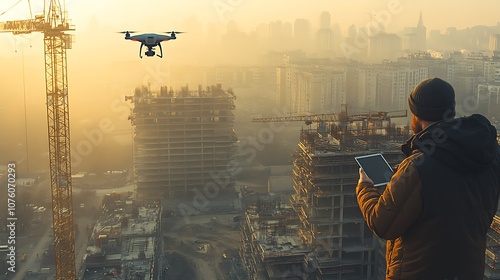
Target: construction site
[[182, 139], [185, 140], [271, 247], [492, 268], [335, 242], [125, 241]]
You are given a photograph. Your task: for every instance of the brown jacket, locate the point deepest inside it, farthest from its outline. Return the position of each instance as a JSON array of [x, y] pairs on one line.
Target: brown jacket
[[438, 206]]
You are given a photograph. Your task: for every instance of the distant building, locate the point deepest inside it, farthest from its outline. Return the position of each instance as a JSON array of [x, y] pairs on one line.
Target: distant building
[[465, 84], [324, 88], [284, 76], [492, 71], [384, 46], [302, 34], [488, 99], [311, 89], [421, 34], [350, 48], [387, 86], [415, 37], [280, 35], [325, 37], [495, 42], [391, 87], [367, 87], [436, 40]]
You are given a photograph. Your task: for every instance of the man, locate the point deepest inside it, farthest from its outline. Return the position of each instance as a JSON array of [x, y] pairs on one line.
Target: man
[[440, 202]]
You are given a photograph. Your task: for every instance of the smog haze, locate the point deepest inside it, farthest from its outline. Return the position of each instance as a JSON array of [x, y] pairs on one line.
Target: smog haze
[[103, 68]]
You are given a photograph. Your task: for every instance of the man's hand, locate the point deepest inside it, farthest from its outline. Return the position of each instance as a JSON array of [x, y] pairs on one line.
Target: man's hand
[[363, 177]]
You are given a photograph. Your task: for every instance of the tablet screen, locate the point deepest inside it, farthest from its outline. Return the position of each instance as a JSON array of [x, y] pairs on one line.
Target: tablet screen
[[376, 167]]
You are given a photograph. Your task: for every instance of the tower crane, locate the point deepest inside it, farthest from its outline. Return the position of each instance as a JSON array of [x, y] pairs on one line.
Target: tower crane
[[343, 116], [54, 24], [350, 130]]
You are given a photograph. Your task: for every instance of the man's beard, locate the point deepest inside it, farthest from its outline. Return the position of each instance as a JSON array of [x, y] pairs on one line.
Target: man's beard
[[416, 126]]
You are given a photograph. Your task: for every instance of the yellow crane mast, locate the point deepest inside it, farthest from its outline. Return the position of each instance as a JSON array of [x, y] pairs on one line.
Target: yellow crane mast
[[54, 25]]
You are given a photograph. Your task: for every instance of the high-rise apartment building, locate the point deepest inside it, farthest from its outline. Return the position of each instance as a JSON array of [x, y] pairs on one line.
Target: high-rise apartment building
[[384, 46], [415, 37], [325, 37]]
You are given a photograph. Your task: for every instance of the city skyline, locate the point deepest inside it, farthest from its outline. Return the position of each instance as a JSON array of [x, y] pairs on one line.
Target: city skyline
[[248, 14]]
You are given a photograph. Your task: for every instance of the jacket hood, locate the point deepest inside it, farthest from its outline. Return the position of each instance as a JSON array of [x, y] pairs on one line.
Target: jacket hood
[[464, 144]]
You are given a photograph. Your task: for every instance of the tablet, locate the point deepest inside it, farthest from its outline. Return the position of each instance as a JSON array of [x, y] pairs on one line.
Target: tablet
[[376, 167]]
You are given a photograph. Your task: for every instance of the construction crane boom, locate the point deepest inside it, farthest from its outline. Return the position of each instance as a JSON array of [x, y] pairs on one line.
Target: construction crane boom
[[24, 26], [53, 24], [309, 119], [379, 115]]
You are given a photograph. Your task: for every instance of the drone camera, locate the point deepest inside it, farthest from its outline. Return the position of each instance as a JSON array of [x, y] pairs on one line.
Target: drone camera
[[150, 53]]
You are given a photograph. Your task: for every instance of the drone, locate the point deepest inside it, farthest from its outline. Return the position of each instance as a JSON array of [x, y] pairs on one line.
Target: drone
[[150, 40]]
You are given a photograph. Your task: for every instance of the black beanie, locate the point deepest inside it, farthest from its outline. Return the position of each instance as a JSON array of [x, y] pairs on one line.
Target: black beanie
[[432, 100]]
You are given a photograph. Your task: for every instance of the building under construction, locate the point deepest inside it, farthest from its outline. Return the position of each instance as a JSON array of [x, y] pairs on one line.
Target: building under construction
[[182, 139], [125, 242], [325, 176], [492, 268], [271, 247]]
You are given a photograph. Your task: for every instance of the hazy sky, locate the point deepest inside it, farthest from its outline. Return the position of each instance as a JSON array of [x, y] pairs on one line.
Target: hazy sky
[[156, 15], [185, 15], [437, 14]]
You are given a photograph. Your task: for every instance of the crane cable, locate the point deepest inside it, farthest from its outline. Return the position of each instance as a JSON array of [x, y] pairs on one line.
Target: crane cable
[[29, 5], [25, 116], [24, 87], [11, 7]]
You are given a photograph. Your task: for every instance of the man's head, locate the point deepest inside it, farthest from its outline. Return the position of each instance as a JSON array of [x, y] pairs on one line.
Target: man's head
[[430, 101]]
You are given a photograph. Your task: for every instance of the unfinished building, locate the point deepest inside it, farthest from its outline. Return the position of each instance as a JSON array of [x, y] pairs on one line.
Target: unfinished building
[[124, 242], [325, 176], [183, 139], [492, 268], [271, 247]]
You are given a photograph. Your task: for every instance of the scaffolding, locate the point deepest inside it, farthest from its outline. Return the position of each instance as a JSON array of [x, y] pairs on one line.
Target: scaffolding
[[325, 176], [270, 247], [183, 139], [492, 254]]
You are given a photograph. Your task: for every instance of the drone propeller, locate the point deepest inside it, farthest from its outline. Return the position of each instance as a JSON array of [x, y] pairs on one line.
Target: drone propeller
[[125, 32], [175, 32]]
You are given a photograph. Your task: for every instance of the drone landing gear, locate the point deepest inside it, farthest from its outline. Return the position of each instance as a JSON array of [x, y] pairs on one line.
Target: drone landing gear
[[161, 51], [140, 50]]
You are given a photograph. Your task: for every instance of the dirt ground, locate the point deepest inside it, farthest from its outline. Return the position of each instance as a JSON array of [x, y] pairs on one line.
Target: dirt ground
[[206, 248]]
